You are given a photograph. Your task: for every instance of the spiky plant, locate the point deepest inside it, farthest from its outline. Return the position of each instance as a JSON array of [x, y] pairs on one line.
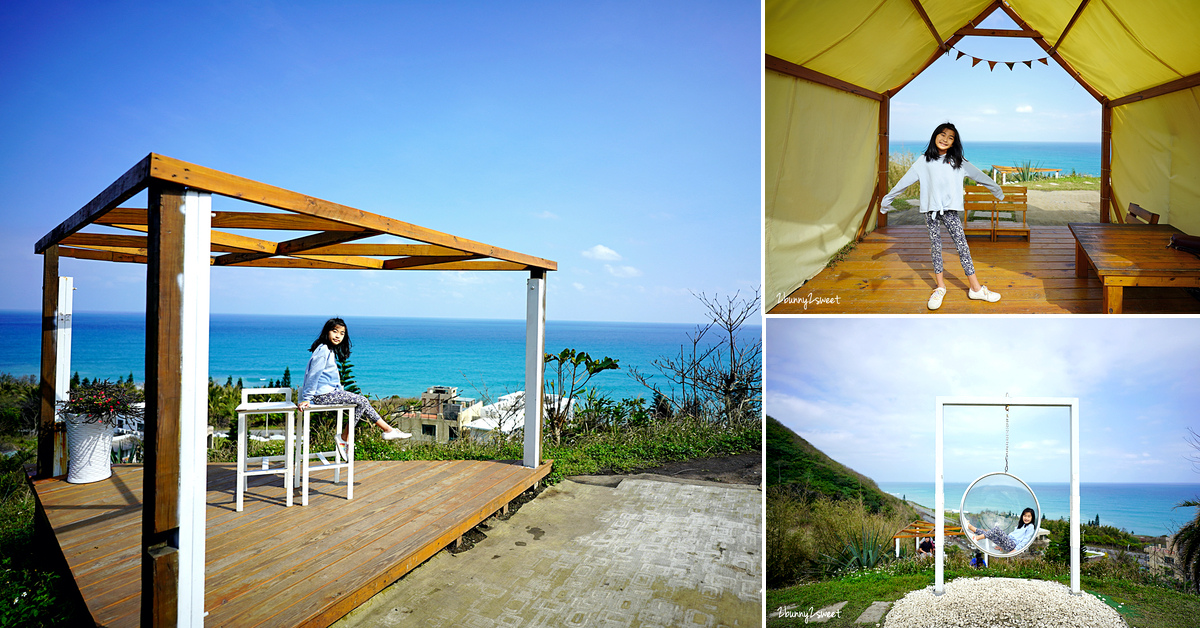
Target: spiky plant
[[1187, 545]]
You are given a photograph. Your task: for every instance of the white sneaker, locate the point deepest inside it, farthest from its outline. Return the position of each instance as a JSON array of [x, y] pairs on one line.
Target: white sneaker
[[983, 295], [395, 434], [935, 299]]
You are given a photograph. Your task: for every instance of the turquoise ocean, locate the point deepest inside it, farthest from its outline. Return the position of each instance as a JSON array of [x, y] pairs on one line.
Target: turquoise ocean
[[1082, 157], [1146, 509], [401, 356]]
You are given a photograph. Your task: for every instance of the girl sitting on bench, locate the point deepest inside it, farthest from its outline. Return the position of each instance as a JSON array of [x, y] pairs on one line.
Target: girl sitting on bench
[[323, 384]]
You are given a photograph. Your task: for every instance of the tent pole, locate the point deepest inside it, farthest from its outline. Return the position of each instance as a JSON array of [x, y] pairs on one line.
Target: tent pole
[[1186, 82], [1105, 161]]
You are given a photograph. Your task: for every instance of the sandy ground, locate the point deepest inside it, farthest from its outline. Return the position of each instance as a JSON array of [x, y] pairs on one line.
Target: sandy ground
[[1045, 208]]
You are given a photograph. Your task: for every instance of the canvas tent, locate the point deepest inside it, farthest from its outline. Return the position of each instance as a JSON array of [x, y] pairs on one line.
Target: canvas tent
[[832, 67]]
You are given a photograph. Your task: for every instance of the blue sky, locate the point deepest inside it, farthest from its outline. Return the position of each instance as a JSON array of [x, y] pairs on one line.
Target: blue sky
[[1038, 104], [863, 391], [620, 139]]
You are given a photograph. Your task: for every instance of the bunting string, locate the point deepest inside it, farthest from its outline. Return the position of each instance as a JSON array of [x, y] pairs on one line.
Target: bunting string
[[992, 64]]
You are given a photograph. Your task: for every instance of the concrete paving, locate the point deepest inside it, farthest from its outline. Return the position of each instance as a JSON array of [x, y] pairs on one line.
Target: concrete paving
[[644, 553]]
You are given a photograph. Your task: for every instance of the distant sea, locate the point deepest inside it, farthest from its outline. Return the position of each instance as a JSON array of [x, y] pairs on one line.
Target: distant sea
[[1083, 157], [1146, 509], [402, 356]]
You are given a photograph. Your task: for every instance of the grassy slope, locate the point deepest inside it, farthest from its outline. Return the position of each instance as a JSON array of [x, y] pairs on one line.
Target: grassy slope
[[795, 463]]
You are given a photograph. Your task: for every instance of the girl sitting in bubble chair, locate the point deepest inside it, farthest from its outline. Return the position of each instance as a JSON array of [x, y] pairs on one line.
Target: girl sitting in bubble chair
[[1008, 543]]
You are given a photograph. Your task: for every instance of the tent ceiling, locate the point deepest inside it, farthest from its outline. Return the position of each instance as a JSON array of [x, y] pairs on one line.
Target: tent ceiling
[[1119, 47]]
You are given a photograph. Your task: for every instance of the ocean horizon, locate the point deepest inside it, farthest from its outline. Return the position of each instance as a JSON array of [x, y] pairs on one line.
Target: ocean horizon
[[1146, 509], [1082, 157], [391, 355]]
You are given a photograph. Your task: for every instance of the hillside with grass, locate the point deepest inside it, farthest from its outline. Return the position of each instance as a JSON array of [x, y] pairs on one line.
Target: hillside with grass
[[795, 466]]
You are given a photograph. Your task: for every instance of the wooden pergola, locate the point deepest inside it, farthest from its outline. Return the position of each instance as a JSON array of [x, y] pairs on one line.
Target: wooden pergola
[[921, 529], [180, 238]]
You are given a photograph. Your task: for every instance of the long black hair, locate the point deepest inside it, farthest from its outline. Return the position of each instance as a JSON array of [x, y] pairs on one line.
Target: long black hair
[[340, 351], [954, 154], [1032, 518]]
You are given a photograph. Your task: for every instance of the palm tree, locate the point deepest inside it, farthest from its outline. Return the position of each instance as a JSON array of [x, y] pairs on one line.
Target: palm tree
[[1187, 545]]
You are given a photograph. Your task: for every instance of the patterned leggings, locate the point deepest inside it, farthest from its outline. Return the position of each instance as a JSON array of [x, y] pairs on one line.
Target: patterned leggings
[[954, 226], [1002, 540], [363, 407]]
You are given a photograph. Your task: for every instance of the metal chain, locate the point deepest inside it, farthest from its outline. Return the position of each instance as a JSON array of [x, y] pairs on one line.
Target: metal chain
[[1006, 437]]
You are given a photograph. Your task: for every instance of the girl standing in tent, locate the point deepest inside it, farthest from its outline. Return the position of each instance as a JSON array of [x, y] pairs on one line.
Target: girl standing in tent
[[941, 175], [323, 384]]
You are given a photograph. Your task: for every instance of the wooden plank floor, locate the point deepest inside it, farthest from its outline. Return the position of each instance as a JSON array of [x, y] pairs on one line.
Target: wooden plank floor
[[891, 272], [275, 566]]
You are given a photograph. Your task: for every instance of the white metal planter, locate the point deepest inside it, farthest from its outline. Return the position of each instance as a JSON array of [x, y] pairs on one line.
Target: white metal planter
[[90, 449]]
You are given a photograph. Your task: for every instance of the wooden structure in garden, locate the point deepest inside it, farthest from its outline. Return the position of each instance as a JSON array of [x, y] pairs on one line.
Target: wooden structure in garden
[[829, 83], [179, 237]]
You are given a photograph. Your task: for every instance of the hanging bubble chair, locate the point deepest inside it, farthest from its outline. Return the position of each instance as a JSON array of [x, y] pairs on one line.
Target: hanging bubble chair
[[992, 513]]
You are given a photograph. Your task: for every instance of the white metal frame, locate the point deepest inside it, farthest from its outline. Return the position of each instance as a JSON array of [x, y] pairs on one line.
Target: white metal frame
[[345, 411], [939, 586], [248, 408]]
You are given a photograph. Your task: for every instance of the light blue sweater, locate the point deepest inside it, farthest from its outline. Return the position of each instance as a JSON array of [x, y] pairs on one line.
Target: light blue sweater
[[321, 375], [941, 185]]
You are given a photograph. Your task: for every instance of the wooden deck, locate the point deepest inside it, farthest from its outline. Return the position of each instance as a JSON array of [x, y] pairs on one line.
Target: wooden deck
[[890, 272], [274, 566]]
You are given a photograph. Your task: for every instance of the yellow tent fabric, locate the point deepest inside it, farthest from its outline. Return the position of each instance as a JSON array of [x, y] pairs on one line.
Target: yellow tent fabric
[[817, 138], [1118, 47]]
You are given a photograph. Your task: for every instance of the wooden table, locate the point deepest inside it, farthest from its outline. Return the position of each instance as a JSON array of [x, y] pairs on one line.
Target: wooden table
[[1131, 256]]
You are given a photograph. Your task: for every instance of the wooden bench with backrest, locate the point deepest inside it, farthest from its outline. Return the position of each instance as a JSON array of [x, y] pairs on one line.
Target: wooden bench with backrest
[[978, 200], [1139, 216]]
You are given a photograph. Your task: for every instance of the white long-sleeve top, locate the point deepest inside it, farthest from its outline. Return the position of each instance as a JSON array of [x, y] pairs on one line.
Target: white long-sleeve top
[[941, 185]]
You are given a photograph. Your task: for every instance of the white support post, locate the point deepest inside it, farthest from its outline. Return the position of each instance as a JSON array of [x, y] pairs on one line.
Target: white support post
[[62, 379], [1061, 402], [1075, 498], [193, 405], [939, 521], [535, 349]]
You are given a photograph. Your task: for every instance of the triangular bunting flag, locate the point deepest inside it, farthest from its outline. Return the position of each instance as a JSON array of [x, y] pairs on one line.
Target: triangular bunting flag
[[1009, 64], [1044, 61], [960, 55], [991, 65], [1028, 64], [975, 61]]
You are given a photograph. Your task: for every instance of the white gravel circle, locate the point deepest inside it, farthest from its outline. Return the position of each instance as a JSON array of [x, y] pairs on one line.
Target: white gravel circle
[[996, 602]]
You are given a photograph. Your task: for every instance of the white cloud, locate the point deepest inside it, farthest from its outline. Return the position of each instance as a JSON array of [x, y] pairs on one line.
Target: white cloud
[[990, 111], [623, 271], [547, 215], [1025, 109], [578, 286], [602, 253]]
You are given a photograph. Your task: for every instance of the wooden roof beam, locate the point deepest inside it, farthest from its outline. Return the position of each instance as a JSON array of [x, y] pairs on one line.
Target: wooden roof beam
[[929, 24], [1186, 82], [133, 181], [799, 71], [991, 8], [293, 247], [1041, 41], [423, 261], [103, 256], [165, 168], [1070, 24], [996, 32]]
